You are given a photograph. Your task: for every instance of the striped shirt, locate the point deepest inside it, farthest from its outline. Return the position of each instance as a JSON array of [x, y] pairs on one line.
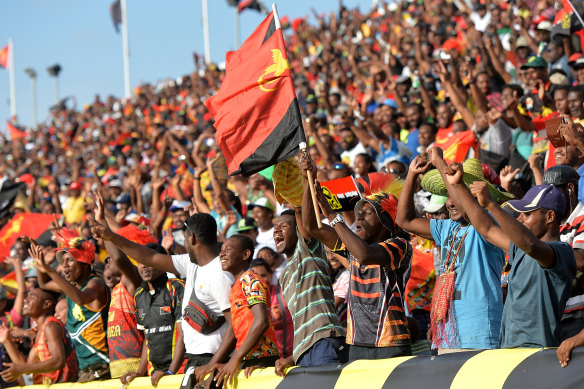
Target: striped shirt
[[376, 316], [307, 288], [572, 232]]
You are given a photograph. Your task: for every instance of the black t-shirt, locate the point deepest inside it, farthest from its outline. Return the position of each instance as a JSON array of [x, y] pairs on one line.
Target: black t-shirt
[[157, 314]]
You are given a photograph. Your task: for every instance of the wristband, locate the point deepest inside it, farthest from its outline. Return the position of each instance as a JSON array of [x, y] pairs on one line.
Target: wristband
[[169, 372], [338, 219], [197, 178]]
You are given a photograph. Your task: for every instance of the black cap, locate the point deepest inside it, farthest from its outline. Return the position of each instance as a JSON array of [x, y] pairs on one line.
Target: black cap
[[560, 175]]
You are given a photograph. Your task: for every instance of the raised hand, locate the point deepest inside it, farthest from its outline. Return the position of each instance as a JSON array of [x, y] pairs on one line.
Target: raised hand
[[436, 155], [572, 132], [507, 175], [167, 239], [100, 230], [480, 190], [454, 173], [534, 161], [305, 163], [325, 207], [99, 212], [231, 218], [39, 259], [420, 165], [4, 333]]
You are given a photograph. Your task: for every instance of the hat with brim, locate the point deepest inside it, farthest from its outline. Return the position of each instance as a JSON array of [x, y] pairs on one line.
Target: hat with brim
[[535, 62], [262, 202], [473, 171], [246, 224], [540, 196], [436, 203], [560, 175]]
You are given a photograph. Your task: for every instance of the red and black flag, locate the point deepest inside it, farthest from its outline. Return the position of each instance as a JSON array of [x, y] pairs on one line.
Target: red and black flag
[[256, 5], [566, 22], [256, 112]]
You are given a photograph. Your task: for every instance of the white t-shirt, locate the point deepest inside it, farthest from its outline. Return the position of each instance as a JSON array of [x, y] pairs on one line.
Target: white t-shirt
[[212, 287], [278, 272], [265, 239]]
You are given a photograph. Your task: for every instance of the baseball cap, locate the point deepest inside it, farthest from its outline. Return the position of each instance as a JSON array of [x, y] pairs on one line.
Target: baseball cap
[[178, 205], [521, 42], [545, 25], [576, 60], [390, 103], [261, 202], [310, 99], [535, 62], [246, 224], [115, 183], [540, 196], [560, 175], [75, 186], [436, 203]]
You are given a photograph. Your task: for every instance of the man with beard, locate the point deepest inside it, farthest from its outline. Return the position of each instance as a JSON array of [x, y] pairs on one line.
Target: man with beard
[[477, 300], [350, 146]]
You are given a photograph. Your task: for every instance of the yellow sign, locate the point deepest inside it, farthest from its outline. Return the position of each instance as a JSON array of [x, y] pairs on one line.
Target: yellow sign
[[277, 68]]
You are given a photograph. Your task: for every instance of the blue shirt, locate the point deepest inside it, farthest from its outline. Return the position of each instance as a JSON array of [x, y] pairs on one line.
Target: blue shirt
[[475, 321], [413, 143], [221, 221], [536, 298], [580, 171]]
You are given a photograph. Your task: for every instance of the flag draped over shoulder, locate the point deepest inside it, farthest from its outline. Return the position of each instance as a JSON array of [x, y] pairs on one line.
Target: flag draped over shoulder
[[4, 52], [256, 112]]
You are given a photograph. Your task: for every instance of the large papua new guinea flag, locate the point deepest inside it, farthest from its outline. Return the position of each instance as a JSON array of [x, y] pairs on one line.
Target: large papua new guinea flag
[[256, 112]]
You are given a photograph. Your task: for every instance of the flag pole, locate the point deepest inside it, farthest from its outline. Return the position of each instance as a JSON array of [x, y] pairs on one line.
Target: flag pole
[[206, 32], [576, 12], [237, 29], [12, 79], [302, 145], [127, 90]]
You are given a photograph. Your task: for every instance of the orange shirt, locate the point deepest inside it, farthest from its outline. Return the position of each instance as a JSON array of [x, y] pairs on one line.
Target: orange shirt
[[247, 291], [70, 371]]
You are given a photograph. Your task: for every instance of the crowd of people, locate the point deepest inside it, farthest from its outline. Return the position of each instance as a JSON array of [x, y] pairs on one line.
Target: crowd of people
[[469, 233]]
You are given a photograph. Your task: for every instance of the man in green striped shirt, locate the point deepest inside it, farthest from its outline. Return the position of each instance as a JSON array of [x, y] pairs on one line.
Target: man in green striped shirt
[[306, 285]]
